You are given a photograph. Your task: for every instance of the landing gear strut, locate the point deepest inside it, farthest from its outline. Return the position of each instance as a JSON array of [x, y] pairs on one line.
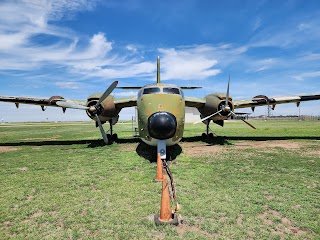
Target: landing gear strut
[[107, 138], [112, 137], [208, 134]]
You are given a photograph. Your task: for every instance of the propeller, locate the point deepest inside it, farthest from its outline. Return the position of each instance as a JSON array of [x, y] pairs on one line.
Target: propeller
[[93, 109], [107, 93], [103, 133], [248, 124], [226, 105], [203, 119], [225, 108]]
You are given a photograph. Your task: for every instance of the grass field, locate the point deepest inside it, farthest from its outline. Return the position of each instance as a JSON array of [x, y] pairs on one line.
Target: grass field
[[58, 181]]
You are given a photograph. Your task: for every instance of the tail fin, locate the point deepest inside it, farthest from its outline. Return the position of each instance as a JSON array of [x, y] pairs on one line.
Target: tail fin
[[158, 70]]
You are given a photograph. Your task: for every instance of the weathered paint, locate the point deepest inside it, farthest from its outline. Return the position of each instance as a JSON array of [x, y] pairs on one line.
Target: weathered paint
[[212, 105], [160, 102], [108, 110]]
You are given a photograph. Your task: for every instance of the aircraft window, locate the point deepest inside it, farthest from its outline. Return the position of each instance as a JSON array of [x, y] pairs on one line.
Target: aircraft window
[[151, 90], [171, 90]]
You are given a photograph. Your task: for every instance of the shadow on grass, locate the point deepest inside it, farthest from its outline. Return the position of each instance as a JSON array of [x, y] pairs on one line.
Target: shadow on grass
[[150, 152], [90, 143], [144, 150], [211, 141], [223, 140]]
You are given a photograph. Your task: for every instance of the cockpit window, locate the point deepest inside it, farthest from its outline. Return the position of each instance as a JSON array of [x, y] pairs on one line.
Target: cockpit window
[[171, 90], [151, 90]]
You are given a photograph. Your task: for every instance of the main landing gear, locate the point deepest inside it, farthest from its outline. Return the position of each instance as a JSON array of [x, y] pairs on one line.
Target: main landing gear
[[110, 137], [208, 135]]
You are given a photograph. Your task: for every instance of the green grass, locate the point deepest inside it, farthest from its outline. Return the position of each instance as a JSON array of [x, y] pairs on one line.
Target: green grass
[[59, 182]]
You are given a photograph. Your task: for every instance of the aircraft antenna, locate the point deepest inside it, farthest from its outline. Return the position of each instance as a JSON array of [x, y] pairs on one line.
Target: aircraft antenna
[[158, 70]]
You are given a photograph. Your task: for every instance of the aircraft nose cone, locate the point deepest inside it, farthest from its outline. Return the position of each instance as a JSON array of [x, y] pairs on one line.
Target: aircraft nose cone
[[162, 125]]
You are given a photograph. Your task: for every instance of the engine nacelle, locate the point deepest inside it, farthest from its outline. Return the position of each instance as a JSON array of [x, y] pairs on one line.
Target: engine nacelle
[[214, 103], [106, 110]]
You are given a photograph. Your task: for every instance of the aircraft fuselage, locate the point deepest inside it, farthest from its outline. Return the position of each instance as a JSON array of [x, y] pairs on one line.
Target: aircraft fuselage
[[161, 114]]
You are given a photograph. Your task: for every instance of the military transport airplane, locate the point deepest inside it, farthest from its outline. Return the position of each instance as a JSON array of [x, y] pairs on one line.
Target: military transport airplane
[[161, 109]]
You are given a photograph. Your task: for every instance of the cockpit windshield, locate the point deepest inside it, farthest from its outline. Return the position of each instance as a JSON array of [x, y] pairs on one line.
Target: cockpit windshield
[[160, 89], [151, 90], [171, 90]]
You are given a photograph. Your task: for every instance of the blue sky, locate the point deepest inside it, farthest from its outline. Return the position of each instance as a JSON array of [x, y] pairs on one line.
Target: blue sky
[[76, 48]]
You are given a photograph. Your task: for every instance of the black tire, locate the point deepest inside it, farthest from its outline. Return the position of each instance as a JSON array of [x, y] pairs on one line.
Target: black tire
[[109, 138], [115, 137], [204, 136]]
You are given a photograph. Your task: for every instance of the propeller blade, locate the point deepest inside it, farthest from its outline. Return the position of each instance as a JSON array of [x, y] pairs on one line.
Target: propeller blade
[[227, 96], [203, 119], [103, 133], [71, 105], [248, 124], [107, 92], [244, 121]]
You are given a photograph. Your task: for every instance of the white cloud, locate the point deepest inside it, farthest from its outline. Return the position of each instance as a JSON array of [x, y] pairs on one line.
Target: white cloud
[[287, 34], [192, 63], [131, 48], [263, 64], [256, 24], [21, 21], [310, 57], [68, 85], [303, 26], [305, 75]]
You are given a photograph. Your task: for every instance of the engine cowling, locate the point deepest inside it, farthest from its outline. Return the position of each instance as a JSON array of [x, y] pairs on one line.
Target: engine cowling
[[106, 110], [214, 103]]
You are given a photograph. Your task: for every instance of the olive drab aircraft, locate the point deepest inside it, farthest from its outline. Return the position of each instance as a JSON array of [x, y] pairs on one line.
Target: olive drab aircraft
[[161, 109]]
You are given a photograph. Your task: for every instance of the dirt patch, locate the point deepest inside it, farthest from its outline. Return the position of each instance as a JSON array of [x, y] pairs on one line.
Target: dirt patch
[[7, 149], [128, 147], [268, 196], [296, 206], [40, 139], [313, 185], [182, 228], [281, 225], [37, 214], [288, 145], [30, 198], [317, 153], [203, 149], [240, 220]]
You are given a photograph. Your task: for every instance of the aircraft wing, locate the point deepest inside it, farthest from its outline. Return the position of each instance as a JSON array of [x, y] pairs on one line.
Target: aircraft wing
[[195, 102], [119, 102], [38, 101], [264, 101], [125, 102]]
